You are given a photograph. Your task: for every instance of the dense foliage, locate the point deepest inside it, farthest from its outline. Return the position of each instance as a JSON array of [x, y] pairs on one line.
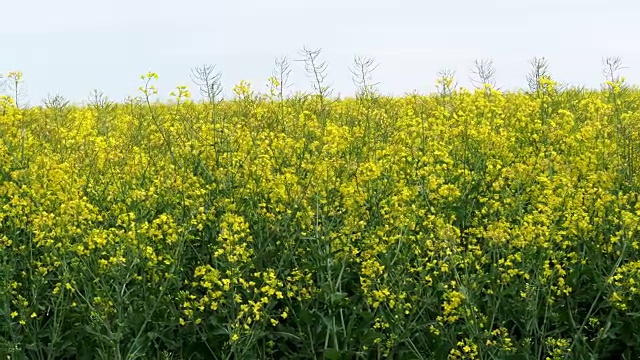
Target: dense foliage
[[461, 225]]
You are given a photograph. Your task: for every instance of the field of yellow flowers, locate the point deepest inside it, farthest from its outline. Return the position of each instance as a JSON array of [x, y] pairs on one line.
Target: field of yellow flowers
[[470, 224]]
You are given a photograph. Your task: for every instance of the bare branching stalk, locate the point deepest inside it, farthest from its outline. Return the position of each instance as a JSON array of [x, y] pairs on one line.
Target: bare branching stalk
[[362, 75], [98, 100], [366, 89], [3, 83], [540, 70], [4, 99], [612, 67], [209, 82], [616, 87], [281, 74], [56, 103], [544, 89], [317, 70], [484, 75], [103, 107], [58, 112]]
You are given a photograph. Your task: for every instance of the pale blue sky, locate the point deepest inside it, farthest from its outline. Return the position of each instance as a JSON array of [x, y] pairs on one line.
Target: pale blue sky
[[73, 46]]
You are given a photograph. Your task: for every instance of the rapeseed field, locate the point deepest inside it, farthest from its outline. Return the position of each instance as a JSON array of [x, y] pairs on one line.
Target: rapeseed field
[[464, 224]]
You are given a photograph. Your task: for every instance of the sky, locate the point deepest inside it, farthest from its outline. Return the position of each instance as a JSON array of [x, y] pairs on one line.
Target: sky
[[70, 47]]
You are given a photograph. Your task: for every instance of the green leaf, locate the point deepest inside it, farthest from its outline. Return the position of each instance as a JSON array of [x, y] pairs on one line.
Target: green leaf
[[332, 354], [337, 297]]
